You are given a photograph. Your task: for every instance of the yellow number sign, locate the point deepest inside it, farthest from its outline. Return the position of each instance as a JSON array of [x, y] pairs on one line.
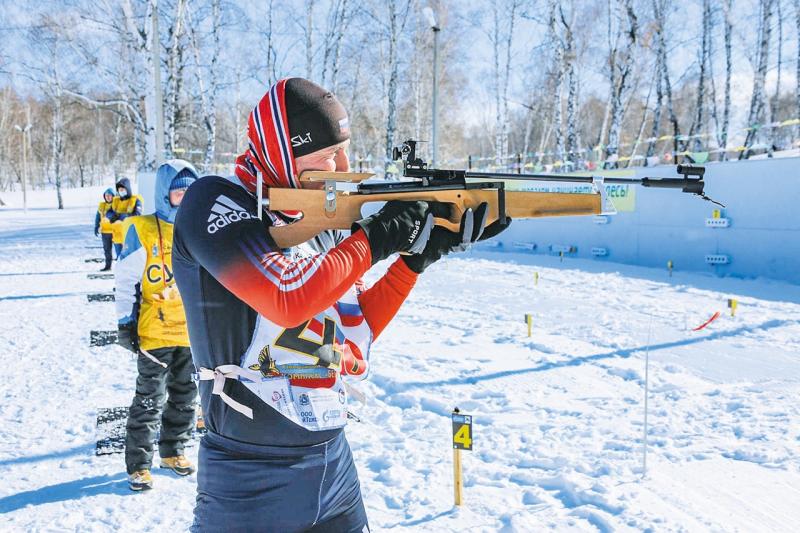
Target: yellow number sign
[[462, 432]]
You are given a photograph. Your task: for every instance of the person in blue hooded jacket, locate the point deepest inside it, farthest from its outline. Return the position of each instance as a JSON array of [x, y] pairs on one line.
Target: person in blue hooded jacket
[[152, 324]]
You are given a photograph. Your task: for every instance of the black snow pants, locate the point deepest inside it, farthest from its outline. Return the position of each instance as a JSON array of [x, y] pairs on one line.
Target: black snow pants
[[107, 245], [152, 385]]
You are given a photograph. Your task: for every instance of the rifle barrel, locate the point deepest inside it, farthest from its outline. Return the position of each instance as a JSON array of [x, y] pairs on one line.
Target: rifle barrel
[[662, 183]]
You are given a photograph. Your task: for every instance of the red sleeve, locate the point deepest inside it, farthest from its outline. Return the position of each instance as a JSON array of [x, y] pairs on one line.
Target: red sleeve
[[290, 292], [381, 302], [218, 227]]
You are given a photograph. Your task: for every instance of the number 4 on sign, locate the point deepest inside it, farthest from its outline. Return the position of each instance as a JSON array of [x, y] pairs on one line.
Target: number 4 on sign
[[463, 438]]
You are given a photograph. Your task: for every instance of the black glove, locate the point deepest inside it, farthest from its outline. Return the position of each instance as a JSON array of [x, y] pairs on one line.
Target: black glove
[[96, 232], [443, 241], [397, 227], [128, 336]]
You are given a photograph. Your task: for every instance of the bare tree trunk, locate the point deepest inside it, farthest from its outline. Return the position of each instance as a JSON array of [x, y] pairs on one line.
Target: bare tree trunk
[[570, 57], [393, 64], [625, 70], [272, 53], [612, 70], [341, 28], [502, 69], [651, 146], [777, 97], [175, 67], [642, 124], [337, 22], [698, 124], [557, 76], [417, 83], [58, 142], [726, 110], [797, 73], [138, 41], [208, 95], [757, 104], [661, 51], [309, 34]]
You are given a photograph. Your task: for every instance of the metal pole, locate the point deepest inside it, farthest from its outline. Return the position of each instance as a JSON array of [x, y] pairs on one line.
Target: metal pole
[[646, 394], [434, 140], [159, 101], [23, 132], [25, 169]]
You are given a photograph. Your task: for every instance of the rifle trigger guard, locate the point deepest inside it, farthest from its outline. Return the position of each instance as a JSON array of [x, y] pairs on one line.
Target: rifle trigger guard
[[606, 205], [330, 197]]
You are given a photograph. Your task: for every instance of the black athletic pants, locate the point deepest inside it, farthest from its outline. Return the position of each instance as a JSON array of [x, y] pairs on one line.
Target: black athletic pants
[[153, 384], [107, 245]]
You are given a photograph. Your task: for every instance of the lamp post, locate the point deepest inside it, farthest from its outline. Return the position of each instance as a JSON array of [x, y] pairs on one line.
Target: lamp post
[[428, 12], [23, 133]]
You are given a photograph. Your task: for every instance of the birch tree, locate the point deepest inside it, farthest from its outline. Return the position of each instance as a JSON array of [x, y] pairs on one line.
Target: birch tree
[[663, 83], [775, 101], [123, 64], [308, 33], [46, 71], [208, 77], [758, 109], [570, 59], [394, 26], [623, 68], [176, 64], [797, 73], [338, 20], [698, 124], [557, 78], [502, 38], [722, 129]]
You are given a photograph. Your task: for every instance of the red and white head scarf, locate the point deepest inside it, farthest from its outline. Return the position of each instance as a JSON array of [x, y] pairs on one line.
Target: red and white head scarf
[[270, 150]]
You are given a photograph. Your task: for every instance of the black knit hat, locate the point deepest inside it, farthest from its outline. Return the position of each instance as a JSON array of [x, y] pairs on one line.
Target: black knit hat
[[316, 118]]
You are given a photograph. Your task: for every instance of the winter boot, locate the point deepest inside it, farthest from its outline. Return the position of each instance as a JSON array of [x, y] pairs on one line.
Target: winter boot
[[178, 464], [140, 480]]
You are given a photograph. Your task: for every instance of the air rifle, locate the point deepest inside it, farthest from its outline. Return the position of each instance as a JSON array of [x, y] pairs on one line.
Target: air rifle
[[330, 208]]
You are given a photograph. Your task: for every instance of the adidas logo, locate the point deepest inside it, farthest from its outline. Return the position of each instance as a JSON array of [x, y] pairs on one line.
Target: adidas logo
[[225, 211]]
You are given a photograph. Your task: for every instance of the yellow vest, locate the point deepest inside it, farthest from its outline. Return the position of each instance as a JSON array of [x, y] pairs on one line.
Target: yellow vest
[[162, 321], [120, 206], [105, 224]]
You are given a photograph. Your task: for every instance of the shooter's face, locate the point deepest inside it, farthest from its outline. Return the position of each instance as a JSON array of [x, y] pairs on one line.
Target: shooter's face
[[331, 159]]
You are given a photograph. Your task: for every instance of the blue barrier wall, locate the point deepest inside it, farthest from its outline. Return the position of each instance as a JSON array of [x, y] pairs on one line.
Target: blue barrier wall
[[762, 200]]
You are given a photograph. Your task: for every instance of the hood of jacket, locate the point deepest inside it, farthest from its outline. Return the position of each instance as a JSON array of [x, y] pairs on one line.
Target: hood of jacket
[[125, 182], [111, 192], [164, 176]]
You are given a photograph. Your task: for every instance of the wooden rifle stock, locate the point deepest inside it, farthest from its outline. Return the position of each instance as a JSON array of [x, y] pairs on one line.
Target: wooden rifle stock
[[316, 218]]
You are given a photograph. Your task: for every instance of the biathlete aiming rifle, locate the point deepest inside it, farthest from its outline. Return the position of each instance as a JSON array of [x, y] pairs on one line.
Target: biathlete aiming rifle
[[330, 208]]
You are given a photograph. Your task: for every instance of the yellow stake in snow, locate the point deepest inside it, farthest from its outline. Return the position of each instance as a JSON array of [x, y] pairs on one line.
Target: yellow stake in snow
[[669, 267], [529, 321], [535, 278], [732, 303], [462, 440]]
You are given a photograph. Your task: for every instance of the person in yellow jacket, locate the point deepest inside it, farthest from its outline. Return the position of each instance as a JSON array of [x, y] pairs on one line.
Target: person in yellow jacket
[[125, 204], [152, 324], [102, 226]]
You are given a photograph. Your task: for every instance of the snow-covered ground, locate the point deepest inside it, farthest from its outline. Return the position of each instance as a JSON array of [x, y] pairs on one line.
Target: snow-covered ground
[[558, 416]]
